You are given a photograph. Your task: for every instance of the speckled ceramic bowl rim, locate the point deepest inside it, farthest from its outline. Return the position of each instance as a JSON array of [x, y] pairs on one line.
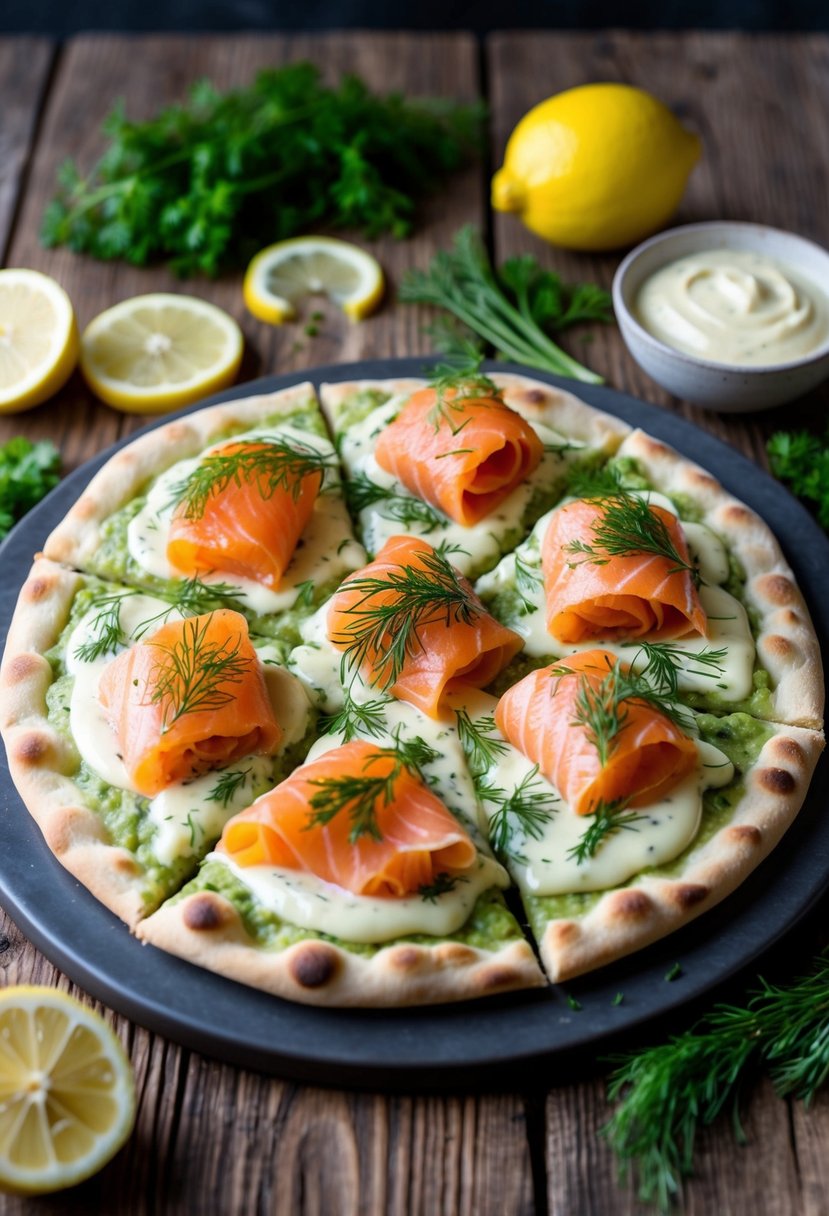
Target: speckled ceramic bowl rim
[[722, 227]]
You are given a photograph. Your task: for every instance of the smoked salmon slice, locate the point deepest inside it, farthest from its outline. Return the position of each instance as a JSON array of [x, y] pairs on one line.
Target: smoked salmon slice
[[602, 595], [411, 839], [412, 625], [249, 520], [463, 454], [190, 697], [631, 755]]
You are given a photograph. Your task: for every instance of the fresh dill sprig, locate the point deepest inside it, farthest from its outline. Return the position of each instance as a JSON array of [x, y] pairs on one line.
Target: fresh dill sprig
[[391, 609], [356, 718], [585, 481], [192, 597], [194, 674], [441, 884], [526, 808], [604, 821], [665, 662], [529, 583], [105, 627], [667, 1092], [362, 492], [358, 795], [481, 743], [229, 785], [455, 384], [271, 463], [628, 526]]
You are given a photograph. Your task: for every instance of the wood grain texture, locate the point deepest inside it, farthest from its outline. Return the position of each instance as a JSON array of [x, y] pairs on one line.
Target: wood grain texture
[[760, 104], [24, 75], [149, 72]]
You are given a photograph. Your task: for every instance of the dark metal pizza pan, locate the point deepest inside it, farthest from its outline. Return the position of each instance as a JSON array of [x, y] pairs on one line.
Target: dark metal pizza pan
[[510, 1039]]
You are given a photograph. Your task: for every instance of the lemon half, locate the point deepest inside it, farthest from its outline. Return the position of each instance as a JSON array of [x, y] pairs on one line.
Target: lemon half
[[283, 274], [38, 339], [596, 167], [157, 352], [67, 1096]]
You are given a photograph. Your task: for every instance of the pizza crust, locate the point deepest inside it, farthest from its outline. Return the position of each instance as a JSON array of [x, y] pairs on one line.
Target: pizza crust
[[631, 917], [204, 928], [76, 540], [786, 641]]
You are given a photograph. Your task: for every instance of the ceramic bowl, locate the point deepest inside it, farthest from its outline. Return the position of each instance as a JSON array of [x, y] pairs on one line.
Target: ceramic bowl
[[731, 388]]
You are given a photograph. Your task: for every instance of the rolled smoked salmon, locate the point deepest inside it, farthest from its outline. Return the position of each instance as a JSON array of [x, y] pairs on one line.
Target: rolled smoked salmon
[[464, 457], [247, 527], [631, 595], [190, 697], [416, 836], [645, 759], [411, 599]]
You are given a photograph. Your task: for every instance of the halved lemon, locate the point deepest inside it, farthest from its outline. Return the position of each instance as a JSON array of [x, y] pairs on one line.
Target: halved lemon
[[283, 274], [157, 352], [67, 1096], [38, 339]]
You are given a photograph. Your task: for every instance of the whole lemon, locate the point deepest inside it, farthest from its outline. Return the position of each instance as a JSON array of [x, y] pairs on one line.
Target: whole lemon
[[596, 167]]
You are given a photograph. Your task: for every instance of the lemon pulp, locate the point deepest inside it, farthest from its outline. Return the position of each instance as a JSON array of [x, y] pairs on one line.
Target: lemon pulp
[[285, 273], [38, 339]]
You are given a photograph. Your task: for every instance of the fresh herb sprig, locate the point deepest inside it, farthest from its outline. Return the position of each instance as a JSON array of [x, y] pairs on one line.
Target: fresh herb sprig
[[626, 526], [802, 460], [228, 785], [193, 674], [513, 310], [481, 743], [441, 884], [455, 384], [28, 471], [270, 463], [206, 183], [667, 1092], [356, 718], [605, 820], [665, 662], [362, 492], [527, 809], [105, 627], [385, 620], [529, 583]]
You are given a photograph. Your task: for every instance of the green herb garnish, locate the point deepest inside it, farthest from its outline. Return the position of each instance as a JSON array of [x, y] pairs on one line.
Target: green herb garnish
[[665, 662], [604, 821], [28, 471], [229, 785], [194, 675], [527, 808], [802, 460], [628, 526], [529, 582], [270, 463], [512, 310], [206, 183], [403, 508], [356, 718], [455, 384], [481, 743], [105, 627], [440, 885]]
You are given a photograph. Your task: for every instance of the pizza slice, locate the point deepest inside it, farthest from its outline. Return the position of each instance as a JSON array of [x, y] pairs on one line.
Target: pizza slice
[[361, 880], [619, 815], [135, 727], [471, 462], [245, 495], [654, 560]]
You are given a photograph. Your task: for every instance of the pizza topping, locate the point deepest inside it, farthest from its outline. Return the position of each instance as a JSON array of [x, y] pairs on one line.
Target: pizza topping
[[410, 624], [619, 568], [191, 697], [357, 817], [590, 728], [244, 508], [460, 448]]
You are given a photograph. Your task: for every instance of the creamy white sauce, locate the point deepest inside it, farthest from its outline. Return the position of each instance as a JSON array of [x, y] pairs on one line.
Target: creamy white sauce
[[481, 544], [734, 306], [727, 620], [183, 814], [326, 550], [541, 866]]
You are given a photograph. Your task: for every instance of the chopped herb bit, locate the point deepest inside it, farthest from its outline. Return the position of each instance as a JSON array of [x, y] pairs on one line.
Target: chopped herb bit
[[441, 885], [674, 973], [572, 1002], [618, 998]]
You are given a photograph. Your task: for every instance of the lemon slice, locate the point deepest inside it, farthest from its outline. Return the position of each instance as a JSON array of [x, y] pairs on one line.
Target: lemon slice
[[281, 275], [155, 353], [67, 1096], [38, 339]]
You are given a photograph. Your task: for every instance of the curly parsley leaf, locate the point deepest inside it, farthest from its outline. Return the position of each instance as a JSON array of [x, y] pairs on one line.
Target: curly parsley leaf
[[28, 471]]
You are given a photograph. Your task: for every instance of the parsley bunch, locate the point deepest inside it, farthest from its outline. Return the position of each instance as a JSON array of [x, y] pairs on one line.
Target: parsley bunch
[[802, 460], [28, 471], [205, 184]]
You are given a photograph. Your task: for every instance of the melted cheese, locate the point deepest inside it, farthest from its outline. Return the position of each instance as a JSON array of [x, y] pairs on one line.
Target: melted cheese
[[326, 551]]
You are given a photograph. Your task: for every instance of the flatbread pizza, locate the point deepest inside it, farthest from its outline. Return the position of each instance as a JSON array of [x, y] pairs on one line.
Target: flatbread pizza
[[378, 699]]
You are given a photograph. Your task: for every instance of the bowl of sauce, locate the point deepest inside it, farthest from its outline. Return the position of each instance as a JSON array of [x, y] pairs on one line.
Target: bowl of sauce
[[731, 316]]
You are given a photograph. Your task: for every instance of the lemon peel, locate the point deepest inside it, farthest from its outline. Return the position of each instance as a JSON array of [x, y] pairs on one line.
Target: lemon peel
[[280, 275], [38, 339]]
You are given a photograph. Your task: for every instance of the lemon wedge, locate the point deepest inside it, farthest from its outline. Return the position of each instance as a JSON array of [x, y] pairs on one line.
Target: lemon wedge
[[67, 1096], [157, 352], [281, 275], [38, 339]]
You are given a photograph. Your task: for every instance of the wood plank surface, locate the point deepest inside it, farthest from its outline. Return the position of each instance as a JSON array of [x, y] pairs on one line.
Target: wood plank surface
[[760, 104], [24, 73]]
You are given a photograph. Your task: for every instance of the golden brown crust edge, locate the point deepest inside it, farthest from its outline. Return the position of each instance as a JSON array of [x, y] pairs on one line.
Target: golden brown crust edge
[[78, 536], [632, 917], [204, 928], [786, 644], [41, 760]]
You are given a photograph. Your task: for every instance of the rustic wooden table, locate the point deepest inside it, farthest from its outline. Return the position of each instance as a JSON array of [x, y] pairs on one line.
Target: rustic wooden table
[[211, 1138]]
